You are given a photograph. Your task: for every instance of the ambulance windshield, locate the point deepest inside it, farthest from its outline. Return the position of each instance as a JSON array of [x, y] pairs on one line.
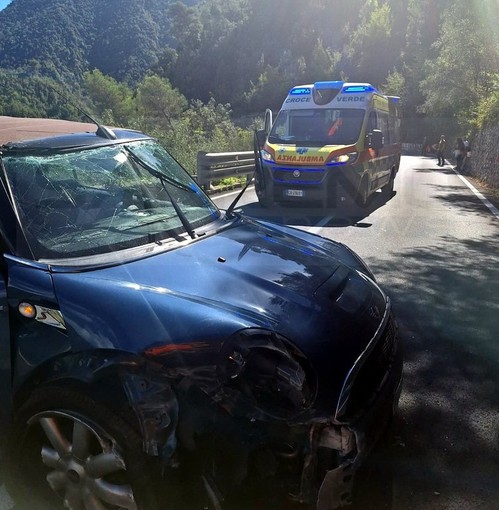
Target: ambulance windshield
[[317, 127]]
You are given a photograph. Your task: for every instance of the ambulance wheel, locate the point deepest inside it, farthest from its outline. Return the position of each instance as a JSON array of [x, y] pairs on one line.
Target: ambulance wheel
[[265, 202], [387, 189], [362, 198]]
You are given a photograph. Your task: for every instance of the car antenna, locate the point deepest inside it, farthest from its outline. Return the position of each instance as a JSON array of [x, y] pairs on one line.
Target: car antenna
[[102, 131]]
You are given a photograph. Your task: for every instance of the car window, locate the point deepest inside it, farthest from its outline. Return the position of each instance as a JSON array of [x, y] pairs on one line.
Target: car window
[[99, 200]]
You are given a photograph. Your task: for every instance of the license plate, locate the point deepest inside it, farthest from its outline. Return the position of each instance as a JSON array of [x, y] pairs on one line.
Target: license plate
[[294, 193]]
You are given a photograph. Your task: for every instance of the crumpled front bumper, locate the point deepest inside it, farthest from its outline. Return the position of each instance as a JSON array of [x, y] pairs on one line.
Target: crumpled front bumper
[[352, 440]]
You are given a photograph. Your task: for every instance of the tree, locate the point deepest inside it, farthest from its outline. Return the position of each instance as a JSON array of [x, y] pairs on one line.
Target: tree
[[159, 103], [462, 72], [486, 112], [24, 93], [372, 50], [186, 27], [112, 100]]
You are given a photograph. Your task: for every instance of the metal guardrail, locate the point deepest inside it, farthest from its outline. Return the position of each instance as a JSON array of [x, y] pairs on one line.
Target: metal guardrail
[[212, 166], [411, 148]]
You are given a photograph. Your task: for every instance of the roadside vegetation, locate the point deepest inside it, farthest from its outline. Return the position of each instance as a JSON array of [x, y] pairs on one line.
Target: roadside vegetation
[[189, 72]]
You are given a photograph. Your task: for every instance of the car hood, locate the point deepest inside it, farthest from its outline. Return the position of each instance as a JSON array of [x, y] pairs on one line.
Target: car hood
[[246, 276], [250, 270], [250, 274]]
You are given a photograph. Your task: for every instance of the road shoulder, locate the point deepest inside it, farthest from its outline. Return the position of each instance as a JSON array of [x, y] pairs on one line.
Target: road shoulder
[[490, 193]]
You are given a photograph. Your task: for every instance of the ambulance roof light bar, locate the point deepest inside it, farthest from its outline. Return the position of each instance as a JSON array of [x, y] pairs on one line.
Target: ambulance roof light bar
[[347, 88], [358, 88], [321, 85], [300, 91]]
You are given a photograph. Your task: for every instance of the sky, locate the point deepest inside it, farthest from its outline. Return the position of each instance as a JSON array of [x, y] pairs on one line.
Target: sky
[[4, 3]]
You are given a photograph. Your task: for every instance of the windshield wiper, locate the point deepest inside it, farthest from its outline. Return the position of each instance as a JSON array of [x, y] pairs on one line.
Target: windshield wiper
[[164, 181], [258, 166], [157, 173]]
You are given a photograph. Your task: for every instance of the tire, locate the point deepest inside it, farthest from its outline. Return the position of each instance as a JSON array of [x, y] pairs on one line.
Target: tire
[[362, 197], [387, 189], [265, 202], [70, 448]]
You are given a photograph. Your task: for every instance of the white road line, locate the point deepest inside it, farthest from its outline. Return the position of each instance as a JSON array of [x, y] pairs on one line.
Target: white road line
[[490, 206]]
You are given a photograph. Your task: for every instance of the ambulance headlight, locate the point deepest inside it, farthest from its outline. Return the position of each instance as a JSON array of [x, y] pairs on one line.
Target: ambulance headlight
[[349, 158], [266, 156]]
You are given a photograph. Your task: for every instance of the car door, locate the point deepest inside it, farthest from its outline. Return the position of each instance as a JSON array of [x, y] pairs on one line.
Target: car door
[[5, 357]]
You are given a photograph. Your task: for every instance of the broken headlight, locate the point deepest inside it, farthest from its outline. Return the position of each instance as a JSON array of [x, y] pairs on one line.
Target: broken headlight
[[268, 372]]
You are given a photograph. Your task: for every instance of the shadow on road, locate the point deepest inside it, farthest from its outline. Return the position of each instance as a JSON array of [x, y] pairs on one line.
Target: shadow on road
[[346, 214], [446, 299], [461, 198], [445, 451]]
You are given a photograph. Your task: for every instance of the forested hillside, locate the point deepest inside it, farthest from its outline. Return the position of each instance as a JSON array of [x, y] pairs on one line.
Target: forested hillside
[[241, 56], [64, 38]]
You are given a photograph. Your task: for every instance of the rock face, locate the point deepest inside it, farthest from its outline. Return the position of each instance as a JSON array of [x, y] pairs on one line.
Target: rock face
[[484, 160]]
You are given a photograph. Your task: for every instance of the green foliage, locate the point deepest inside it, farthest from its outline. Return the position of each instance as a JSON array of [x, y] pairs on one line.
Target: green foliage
[[156, 107], [158, 103], [460, 74], [122, 38], [371, 48], [24, 94], [112, 100], [486, 112], [205, 127], [172, 68], [55, 34]]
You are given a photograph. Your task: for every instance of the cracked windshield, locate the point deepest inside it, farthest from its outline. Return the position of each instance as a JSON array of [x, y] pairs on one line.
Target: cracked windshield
[[103, 199]]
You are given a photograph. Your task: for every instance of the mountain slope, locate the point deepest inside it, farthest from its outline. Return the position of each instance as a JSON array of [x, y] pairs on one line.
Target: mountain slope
[[64, 38]]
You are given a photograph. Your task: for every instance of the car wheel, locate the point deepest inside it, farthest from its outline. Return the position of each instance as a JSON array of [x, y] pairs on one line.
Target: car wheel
[[90, 457]]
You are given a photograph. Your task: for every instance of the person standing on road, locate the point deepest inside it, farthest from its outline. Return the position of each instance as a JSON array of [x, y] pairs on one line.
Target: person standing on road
[[467, 152], [459, 153], [442, 143]]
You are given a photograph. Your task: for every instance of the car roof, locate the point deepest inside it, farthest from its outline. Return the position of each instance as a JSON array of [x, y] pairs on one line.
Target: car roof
[[37, 133], [17, 129]]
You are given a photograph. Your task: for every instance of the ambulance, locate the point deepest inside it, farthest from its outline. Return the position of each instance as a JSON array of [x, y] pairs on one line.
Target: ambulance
[[331, 140]]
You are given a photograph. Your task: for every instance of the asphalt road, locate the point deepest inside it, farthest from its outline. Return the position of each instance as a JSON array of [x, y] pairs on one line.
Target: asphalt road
[[434, 247]]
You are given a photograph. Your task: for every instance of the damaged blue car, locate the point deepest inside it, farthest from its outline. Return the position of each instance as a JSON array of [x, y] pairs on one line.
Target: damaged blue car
[[158, 352]]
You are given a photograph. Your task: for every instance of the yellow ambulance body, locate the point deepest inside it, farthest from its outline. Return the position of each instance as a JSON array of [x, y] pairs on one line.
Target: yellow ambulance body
[[330, 139]]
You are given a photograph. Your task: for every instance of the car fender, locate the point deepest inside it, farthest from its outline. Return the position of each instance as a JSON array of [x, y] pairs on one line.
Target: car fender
[[121, 381]]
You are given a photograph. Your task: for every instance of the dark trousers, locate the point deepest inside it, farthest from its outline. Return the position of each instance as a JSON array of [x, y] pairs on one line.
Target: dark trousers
[[441, 160]]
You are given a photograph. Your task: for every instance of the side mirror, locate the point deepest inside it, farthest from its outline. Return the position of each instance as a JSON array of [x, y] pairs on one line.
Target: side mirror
[[376, 139], [261, 135], [268, 120]]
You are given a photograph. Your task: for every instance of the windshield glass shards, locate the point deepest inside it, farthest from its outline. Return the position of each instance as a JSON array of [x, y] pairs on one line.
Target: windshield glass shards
[[324, 126], [100, 200]]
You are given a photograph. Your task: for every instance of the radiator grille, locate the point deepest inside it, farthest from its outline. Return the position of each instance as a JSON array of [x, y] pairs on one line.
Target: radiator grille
[[298, 175]]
